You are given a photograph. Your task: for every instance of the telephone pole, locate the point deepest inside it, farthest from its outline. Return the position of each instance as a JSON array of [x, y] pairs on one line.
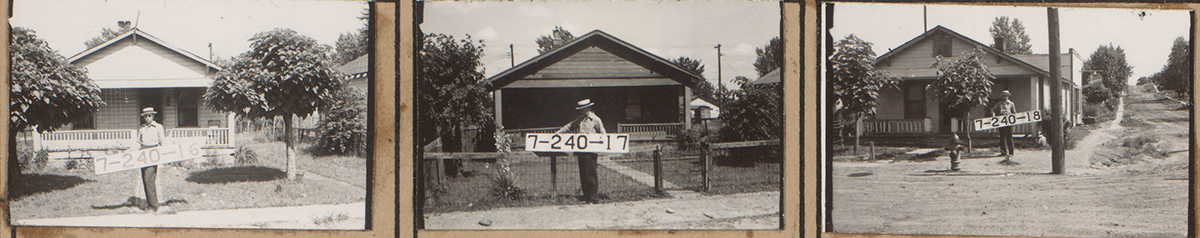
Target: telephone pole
[[721, 83], [1055, 117], [512, 59]]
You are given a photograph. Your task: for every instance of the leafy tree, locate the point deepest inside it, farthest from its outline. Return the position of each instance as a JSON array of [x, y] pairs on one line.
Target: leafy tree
[[557, 38], [283, 75], [962, 84], [855, 81], [755, 113], [46, 92], [1013, 32], [453, 91], [107, 34], [344, 126], [352, 45], [770, 57], [1110, 62], [703, 89], [1176, 75]]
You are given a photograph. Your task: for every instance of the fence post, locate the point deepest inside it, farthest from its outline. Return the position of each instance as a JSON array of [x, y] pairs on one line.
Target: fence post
[[706, 160], [658, 179], [441, 170], [872, 150], [553, 176]]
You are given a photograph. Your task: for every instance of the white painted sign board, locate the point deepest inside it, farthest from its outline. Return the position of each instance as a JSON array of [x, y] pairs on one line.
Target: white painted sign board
[[987, 123], [132, 159], [599, 143]]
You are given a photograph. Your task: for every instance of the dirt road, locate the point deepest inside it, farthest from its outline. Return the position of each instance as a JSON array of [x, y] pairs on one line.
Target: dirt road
[[1112, 187]]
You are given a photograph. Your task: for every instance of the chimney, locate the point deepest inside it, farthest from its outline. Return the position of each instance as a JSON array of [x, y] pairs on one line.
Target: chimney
[[999, 43], [123, 24]]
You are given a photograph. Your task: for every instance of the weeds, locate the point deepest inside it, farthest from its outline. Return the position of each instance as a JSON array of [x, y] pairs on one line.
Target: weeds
[[504, 181], [329, 220], [245, 156]]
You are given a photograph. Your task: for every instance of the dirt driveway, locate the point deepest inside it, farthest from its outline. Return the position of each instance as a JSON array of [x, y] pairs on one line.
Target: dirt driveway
[[1111, 188]]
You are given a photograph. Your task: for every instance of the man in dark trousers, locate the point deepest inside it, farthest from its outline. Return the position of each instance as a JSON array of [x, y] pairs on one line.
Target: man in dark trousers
[[586, 123], [1005, 107], [151, 135]]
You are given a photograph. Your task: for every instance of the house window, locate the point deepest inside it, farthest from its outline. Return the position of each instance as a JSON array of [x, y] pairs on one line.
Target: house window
[[85, 122], [188, 115], [941, 46], [914, 100]]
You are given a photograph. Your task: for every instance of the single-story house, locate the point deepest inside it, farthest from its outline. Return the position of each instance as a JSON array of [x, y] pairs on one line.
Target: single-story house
[[634, 91], [136, 70], [909, 112]]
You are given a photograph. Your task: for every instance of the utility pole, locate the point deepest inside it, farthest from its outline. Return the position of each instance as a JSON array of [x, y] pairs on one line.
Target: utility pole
[[721, 83], [512, 59], [1055, 117]]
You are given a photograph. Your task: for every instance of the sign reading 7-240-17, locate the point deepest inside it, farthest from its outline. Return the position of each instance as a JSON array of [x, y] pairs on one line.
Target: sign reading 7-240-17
[[1008, 120], [604, 143]]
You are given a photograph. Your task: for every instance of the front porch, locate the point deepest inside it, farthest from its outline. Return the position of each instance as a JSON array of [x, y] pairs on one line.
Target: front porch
[[920, 132], [82, 144]]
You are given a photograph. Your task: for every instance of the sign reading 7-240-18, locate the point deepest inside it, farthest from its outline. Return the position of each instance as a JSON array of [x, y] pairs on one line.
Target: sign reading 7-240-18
[[1008, 120], [604, 143]]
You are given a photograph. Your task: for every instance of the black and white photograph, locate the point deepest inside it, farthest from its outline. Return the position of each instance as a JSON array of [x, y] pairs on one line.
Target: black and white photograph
[[1005, 121], [571, 115], [189, 114]]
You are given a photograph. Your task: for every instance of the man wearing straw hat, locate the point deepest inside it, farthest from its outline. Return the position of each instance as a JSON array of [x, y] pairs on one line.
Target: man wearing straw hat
[[1005, 107], [586, 123], [150, 135]]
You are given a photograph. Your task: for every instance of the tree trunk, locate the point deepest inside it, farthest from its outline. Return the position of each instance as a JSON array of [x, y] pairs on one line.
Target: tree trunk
[[857, 133], [291, 148], [967, 130]]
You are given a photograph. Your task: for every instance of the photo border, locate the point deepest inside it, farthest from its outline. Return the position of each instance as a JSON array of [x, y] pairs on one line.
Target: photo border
[[382, 206], [790, 214], [814, 211]]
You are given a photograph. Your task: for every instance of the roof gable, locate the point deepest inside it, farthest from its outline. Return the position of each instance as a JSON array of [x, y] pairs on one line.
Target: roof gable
[[928, 35], [135, 59], [594, 48], [135, 32]]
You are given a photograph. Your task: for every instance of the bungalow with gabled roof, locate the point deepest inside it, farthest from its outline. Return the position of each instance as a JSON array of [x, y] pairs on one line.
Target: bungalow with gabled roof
[[634, 91], [907, 113], [135, 70]]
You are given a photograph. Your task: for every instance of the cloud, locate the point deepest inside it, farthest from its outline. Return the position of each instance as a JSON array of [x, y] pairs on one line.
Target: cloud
[[742, 49], [487, 34], [534, 11]]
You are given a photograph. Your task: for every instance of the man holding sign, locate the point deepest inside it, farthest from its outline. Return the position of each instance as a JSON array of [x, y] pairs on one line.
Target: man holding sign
[[1005, 107], [150, 135], [588, 123]]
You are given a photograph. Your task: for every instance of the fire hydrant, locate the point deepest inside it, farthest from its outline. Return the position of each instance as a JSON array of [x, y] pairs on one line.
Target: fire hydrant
[[956, 150]]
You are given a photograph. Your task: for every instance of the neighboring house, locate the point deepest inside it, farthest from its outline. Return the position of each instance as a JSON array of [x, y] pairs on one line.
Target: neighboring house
[[909, 112], [634, 91], [136, 70], [355, 72], [711, 111], [769, 78]]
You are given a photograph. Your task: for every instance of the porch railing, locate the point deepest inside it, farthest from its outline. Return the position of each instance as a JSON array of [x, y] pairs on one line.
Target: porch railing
[[669, 128], [898, 126], [74, 140]]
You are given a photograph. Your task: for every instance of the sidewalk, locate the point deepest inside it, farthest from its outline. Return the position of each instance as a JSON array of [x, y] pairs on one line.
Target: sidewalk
[[622, 215], [301, 217]]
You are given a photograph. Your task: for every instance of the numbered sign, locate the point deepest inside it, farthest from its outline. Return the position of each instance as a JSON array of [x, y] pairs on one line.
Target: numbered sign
[[602, 143], [1008, 120], [132, 159]]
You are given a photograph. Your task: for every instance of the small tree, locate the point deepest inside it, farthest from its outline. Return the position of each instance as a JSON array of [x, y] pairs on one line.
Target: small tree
[[1110, 62], [1013, 34], [283, 75], [453, 91], [855, 81], [770, 57], [1176, 75], [755, 114], [46, 92], [703, 89], [962, 84], [557, 38], [343, 128]]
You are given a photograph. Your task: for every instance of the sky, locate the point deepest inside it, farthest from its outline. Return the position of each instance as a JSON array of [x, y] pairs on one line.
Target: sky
[[1146, 40], [669, 29], [190, 25]]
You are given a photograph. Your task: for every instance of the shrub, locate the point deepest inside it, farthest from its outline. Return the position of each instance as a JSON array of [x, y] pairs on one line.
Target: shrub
[[1096, 93], [504, 182], [344, 128], [37, 160], [245, 156], [755, 113]]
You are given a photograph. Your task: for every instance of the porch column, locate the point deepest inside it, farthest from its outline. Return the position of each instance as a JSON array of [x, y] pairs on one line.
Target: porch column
[[497, 111], [687, 108], [231, 122]]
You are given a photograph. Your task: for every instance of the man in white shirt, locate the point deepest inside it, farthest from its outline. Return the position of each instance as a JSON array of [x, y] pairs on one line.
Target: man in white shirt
[[586, 123]]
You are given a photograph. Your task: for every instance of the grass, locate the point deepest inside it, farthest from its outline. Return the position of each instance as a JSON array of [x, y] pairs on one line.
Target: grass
[[472, 191], [759, 177], [55, 192]]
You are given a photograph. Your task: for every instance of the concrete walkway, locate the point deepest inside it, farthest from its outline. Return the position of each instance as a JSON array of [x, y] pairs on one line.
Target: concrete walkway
[[301, 217], [621, 215], [647, 179]]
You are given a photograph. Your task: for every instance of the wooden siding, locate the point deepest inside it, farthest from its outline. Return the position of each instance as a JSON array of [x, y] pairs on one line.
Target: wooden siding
[[593, 62], [554, 107], [146, 60], [916, 61]]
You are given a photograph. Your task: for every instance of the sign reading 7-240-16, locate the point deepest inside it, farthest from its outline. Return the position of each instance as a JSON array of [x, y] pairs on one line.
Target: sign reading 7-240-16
[[132, 159], [604, 143]]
